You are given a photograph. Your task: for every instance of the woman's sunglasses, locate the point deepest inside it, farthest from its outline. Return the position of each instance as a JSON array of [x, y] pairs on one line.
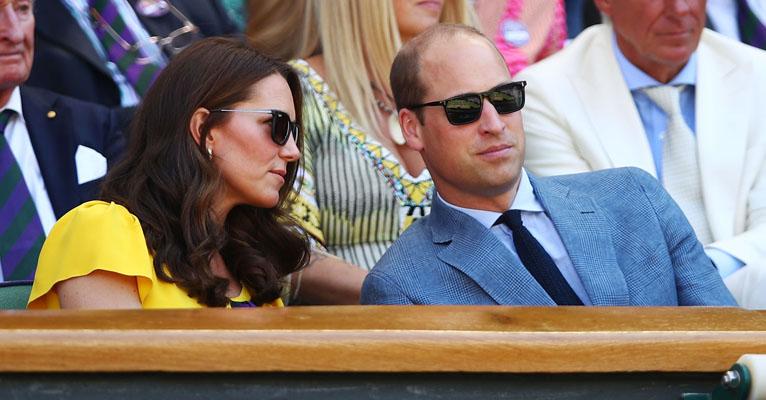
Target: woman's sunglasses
[[281, 126], [466, 108]]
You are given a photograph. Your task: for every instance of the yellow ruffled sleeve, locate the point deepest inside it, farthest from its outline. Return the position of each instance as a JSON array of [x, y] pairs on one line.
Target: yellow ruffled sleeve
[[93, 236]]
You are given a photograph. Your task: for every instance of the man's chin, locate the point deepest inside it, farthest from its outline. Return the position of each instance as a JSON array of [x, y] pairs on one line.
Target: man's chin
[[9, 79]]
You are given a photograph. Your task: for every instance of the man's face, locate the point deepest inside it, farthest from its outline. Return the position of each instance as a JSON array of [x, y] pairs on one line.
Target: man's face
[[17, 30], [658, 36], [476, 164]]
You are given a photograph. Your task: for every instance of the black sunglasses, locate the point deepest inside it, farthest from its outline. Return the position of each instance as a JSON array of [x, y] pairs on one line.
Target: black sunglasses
[[281, 126], [466, 108]]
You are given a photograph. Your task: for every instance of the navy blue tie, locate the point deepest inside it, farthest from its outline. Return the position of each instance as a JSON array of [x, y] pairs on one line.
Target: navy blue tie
[[538, 262]]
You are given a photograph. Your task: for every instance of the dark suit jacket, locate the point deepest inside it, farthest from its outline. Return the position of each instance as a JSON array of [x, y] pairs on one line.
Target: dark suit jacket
[[57, 125], [628, 241], [67, 63]]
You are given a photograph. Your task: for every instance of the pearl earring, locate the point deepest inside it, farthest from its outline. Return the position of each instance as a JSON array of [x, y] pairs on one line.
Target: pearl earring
[[210, 152]]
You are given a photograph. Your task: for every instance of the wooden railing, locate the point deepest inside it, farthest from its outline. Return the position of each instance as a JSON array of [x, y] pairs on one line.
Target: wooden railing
[[382, 339]]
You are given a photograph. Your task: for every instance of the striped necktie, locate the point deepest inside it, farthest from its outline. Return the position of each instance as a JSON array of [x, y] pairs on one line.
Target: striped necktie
[[751, 30], [681, 171], [21, 234], [121, 46]]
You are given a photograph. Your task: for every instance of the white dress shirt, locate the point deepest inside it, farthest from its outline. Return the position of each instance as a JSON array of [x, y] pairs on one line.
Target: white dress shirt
[[538, 223]]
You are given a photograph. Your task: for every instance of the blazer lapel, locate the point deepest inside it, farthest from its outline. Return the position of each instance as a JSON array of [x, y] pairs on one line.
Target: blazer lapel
[[611, 112], [724, 103], [54, 149], [56, 24], [475, 251], [583, 230]]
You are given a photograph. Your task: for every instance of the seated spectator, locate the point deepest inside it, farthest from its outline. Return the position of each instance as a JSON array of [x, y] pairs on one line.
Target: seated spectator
[[525, 31], [659, 92], [361, 186], [79, 52], [53, 149], [498, 235], [193, 215]]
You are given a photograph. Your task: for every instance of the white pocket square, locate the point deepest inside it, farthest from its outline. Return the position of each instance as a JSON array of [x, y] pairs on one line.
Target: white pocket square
[[91, 164]]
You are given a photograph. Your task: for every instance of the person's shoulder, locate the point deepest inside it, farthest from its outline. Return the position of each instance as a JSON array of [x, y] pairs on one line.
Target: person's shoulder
[[310, 79], [605, 180], [98, 214], [43, 98], [414, 242], [304, 69], [300, 65], [419, 231], [725, 46]]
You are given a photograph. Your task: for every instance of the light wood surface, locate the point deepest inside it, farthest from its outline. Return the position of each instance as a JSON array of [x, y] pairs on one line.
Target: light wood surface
[[382, 339]]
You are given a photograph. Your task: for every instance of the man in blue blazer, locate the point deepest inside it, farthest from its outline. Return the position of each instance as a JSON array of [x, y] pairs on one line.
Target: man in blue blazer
[[53, 151], [497, 235]]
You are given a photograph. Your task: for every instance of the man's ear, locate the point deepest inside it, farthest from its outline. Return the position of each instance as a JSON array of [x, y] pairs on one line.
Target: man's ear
[[411, 129], [605, 6], [195, 125]]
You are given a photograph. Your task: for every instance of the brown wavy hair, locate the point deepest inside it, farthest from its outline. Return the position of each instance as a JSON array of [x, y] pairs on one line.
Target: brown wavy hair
[[169, 183]]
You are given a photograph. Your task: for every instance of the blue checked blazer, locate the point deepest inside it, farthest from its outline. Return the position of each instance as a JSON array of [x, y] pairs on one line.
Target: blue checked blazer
[[629, 242]]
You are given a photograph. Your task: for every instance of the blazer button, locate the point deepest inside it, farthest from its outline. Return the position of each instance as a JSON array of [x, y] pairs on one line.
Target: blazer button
[[51, 114]]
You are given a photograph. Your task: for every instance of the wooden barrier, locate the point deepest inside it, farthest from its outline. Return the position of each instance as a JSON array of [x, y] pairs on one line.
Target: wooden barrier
[[394, 346]]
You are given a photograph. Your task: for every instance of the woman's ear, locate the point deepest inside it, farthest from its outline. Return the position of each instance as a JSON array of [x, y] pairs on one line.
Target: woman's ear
[[410, 125], [195, 124]]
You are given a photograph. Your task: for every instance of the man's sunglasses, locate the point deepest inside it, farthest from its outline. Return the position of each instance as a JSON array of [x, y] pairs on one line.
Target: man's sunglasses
[[281, 126], [466, 108]]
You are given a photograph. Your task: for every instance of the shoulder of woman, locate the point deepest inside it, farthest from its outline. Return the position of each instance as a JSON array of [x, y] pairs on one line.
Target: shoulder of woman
[[99, 213], [97, 220]]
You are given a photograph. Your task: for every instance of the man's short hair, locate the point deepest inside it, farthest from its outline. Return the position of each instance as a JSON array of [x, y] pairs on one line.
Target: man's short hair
[[406, 84]]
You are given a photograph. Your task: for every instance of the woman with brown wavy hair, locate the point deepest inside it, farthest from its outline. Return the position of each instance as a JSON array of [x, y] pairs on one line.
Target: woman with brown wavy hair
[[193, 215]]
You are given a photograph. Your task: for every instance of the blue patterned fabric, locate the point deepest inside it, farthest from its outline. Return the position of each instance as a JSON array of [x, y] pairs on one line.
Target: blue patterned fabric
[[629, 242], [537, 261]]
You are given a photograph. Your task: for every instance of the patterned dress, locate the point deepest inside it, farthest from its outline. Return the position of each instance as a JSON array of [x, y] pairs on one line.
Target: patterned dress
[[355, 198]]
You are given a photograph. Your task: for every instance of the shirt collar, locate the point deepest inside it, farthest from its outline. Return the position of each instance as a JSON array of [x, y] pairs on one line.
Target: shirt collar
[[637, 79], [79, 5], [14, 103], [525, 200]]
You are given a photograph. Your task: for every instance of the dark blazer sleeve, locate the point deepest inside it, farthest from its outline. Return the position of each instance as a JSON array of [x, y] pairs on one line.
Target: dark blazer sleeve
[[697, 280]]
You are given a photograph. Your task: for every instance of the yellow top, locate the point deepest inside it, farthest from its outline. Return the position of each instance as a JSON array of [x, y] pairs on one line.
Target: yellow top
[[105, 236]]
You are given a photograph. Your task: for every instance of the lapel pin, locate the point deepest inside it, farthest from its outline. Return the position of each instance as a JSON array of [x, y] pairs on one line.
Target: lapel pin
[[152, 8], [51, 114], [515, 33]]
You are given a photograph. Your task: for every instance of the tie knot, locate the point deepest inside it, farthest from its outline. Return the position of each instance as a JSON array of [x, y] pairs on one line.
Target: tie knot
[[666, 97], [5, 117], [511, 219]]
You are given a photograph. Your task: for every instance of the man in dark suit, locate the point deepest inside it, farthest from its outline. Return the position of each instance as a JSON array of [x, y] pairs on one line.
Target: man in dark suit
[[68, 60], [497, 235], [53, 149]]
